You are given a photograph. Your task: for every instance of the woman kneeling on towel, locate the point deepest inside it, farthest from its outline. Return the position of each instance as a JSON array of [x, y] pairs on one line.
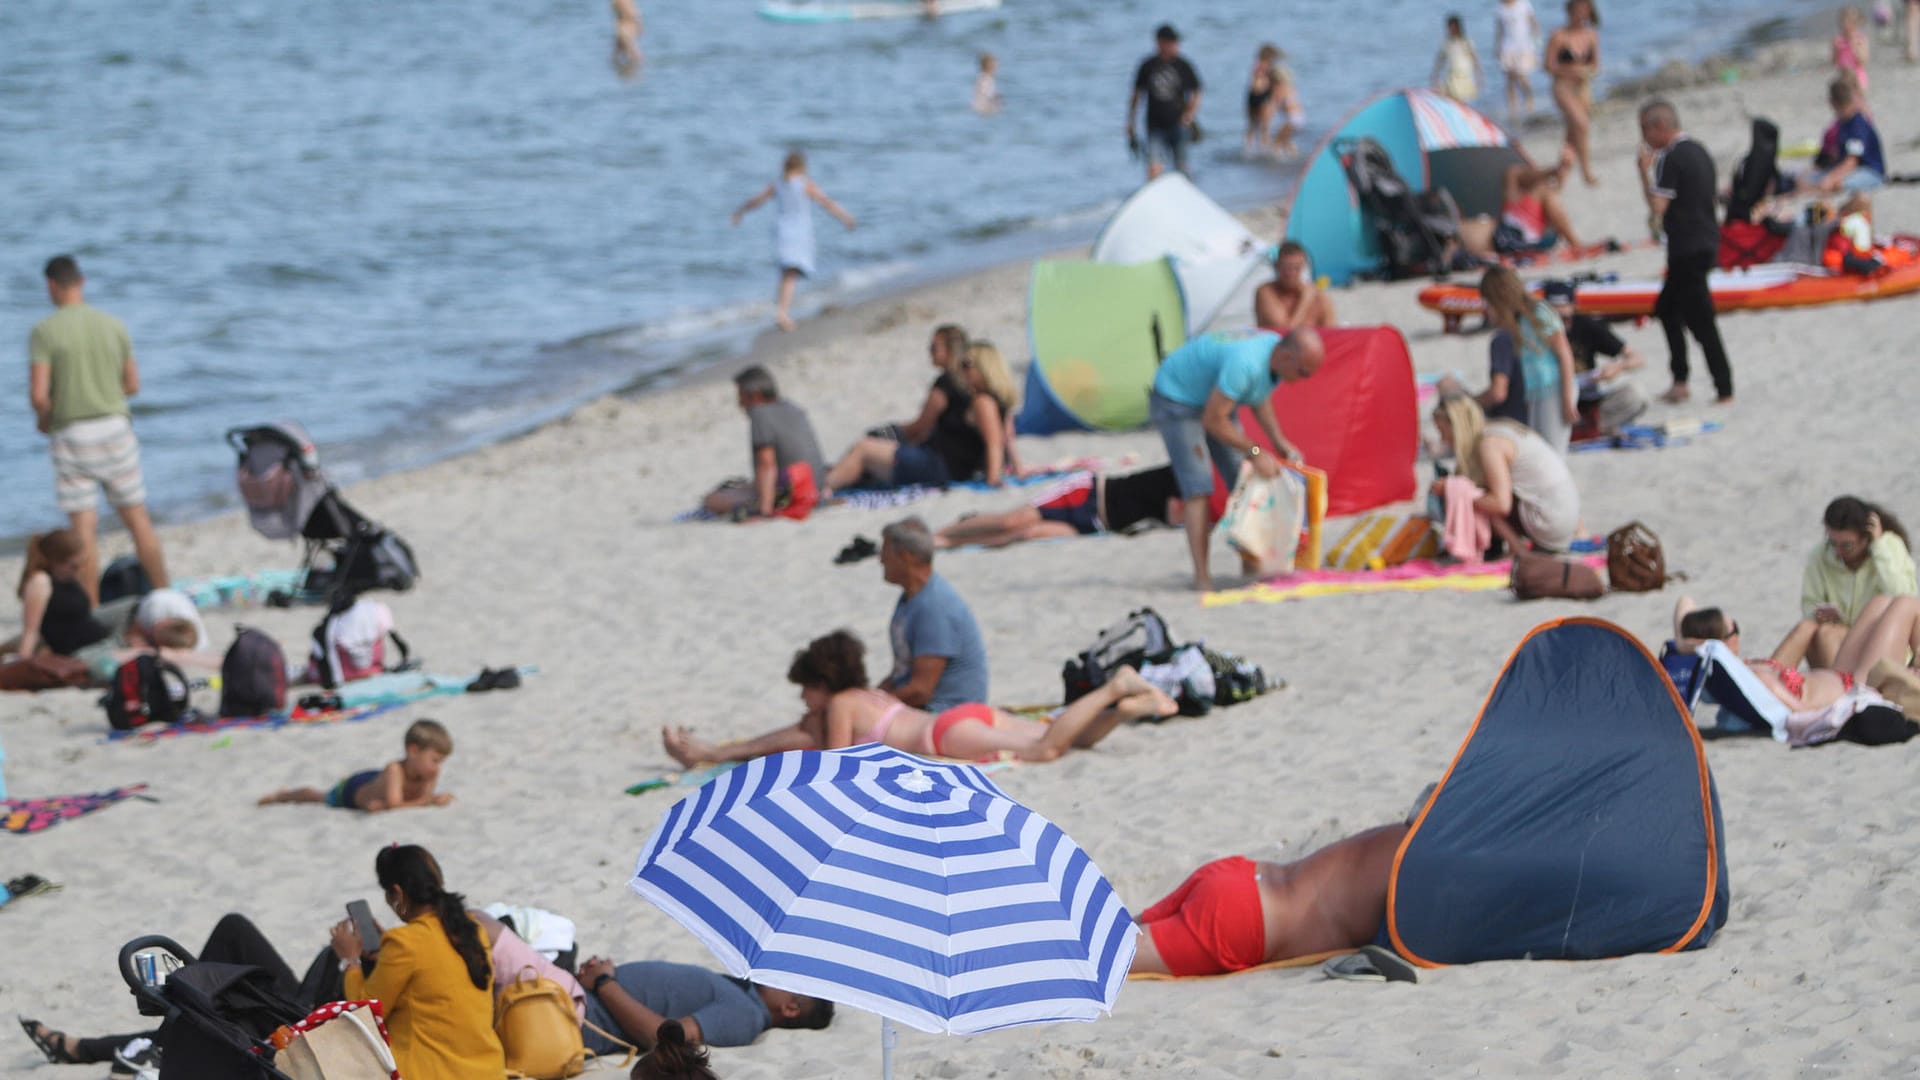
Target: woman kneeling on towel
[[1524, 483], [842, 710]]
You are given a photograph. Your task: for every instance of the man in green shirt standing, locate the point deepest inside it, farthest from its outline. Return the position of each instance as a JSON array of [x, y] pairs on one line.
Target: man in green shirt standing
[[82, 375]]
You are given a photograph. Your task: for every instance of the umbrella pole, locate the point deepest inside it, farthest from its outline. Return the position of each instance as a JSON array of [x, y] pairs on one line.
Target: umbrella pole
[[888, 1037]]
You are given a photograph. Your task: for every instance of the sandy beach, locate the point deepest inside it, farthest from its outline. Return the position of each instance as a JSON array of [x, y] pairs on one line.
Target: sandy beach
[[557, 549]]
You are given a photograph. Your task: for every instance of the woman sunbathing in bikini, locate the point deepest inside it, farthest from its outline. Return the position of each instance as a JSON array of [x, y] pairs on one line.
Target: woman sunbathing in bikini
[[842, 710], [1874, 652]]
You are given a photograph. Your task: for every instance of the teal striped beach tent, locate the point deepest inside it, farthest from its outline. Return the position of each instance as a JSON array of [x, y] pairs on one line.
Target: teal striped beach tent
[[1435, 143]]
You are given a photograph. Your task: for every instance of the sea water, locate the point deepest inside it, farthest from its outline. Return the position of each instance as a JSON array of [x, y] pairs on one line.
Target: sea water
[[417, 227]]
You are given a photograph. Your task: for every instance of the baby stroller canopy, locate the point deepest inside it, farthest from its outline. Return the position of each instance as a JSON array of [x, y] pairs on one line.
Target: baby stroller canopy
[[218, 1016], [288, 496]]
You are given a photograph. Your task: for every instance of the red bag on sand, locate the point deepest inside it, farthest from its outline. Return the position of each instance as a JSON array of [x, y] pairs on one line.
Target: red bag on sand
[[1743, 244], [802, 493]]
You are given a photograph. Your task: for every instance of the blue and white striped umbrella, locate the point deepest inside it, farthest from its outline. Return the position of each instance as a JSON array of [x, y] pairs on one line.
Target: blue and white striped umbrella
[[873, 878]]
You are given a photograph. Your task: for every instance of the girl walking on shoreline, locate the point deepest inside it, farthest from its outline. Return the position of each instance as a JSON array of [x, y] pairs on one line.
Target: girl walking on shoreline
[[793, 227]]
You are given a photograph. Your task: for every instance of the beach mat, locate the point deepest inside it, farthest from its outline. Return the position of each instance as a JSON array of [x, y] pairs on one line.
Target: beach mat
[[1649, 437], [693, 778], [38, 815], [1420, 575], [1308, 960], [360, 700], [245, 590], [213, 725], [894, 498]]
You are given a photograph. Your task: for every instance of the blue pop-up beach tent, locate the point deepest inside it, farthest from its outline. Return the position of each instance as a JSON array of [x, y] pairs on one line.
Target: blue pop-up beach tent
[[1578, 821], [1435, 143]]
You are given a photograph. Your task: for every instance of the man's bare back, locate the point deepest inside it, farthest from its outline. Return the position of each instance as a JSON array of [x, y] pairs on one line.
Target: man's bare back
[[1333, 898]]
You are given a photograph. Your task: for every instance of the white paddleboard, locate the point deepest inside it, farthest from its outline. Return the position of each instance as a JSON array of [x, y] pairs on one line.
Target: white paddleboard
[[815, 12]]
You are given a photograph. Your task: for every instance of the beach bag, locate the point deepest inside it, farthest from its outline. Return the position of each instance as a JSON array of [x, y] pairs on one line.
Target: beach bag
[[146, 690], [1635, 560], [346, 1040], [351, 643], [1262, 518], [1538, 576], [540, 1031], [1141, 634], [253, 676], [376, 558]]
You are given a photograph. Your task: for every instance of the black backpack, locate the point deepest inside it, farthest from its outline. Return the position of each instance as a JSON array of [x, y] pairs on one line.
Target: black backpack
[[146, 690], [1141, 634], [253, 677]]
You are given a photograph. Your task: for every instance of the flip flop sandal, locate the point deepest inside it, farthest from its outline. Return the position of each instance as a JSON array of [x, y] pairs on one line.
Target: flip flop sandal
[[861, 548], [31, 885], [1371, 964], [47, 1041]]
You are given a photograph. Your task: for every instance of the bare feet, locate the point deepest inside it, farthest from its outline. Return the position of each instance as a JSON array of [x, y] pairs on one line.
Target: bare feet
[[683, 747], [1676, 395], [783, 321], [1724, 400]]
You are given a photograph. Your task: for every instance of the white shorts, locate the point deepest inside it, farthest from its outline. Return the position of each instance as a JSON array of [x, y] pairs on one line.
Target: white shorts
[[1518, 61], [92, 454]]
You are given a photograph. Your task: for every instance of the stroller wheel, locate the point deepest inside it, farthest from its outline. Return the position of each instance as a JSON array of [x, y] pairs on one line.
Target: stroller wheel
[[280, 598]]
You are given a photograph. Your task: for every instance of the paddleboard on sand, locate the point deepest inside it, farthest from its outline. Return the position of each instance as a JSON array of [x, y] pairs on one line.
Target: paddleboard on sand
[[807, 11]]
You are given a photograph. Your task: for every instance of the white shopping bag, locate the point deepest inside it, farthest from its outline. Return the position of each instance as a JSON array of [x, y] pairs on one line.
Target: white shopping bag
[[1263, 517]]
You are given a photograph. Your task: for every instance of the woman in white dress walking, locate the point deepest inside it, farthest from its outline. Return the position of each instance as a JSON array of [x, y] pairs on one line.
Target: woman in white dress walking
[[793, 227]]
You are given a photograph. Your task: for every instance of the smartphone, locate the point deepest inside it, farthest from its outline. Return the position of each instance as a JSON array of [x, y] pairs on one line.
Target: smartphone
[[363, 924]]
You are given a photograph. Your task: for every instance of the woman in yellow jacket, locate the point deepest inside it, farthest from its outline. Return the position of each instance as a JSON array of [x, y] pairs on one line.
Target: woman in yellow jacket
[[434, 976]]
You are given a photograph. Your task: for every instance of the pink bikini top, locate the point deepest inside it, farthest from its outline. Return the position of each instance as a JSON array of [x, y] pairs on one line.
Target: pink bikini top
[[891, 708]]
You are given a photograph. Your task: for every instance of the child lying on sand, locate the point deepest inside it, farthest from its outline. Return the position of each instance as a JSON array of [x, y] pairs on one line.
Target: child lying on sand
[[407, 782], [842, 711]]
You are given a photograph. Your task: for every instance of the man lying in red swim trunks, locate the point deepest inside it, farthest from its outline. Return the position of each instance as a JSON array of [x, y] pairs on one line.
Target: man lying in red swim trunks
[[1235, 913]]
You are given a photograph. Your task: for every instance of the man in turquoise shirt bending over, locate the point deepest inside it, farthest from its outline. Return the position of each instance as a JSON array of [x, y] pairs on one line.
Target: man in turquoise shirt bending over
[[1195, 395]]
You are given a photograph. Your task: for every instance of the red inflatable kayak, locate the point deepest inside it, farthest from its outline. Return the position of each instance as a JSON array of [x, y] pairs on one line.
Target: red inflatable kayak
[[1774, 285]]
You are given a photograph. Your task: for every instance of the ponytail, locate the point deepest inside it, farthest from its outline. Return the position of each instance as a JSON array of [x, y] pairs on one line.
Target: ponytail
[[412, 870], [673, 1057]]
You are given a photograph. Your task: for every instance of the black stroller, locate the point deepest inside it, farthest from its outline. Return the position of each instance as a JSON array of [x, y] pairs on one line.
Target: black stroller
[[1418, 231], [288, 496], [218, 1016]]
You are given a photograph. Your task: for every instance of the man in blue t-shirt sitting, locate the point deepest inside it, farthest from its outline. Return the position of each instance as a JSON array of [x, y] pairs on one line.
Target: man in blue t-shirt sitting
[[1850, 157], [939, 660], [1197, 392]]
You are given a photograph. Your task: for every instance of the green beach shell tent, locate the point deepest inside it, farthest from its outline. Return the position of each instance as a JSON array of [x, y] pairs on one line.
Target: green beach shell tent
[[1098, 332]]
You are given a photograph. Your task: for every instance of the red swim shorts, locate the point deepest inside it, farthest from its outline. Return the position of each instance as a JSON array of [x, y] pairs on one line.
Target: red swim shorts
[[1212, 923]]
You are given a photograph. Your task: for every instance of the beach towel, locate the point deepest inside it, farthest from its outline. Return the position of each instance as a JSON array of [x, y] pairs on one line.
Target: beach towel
[[245, 590], [39, 815], [362, 700], [894, 498], [1308, 960], [1467, 531], [1650, 437], [1419, 575], [693, 778], [208, 725]]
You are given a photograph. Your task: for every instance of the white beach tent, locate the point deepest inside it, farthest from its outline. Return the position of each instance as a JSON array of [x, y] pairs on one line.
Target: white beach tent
[[1216, 259]]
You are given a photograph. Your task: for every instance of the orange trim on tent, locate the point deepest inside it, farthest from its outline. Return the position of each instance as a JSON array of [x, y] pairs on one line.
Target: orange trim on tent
[[1700, 758]]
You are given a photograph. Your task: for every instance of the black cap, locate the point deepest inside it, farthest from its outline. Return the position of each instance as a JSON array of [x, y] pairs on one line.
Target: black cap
[[1557, 292], [1166, 33]]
